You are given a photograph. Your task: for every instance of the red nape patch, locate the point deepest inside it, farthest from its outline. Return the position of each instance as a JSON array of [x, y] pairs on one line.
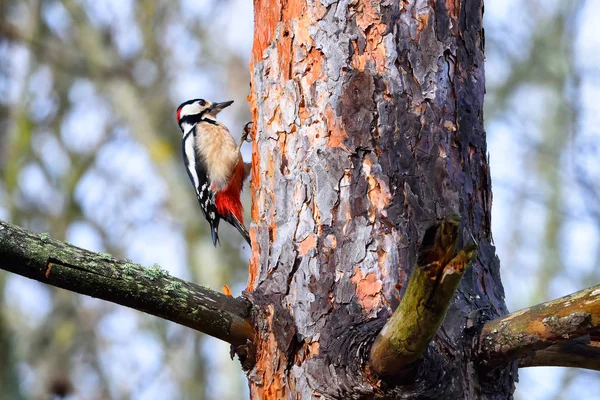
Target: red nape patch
[[228, 200], [178, 114]]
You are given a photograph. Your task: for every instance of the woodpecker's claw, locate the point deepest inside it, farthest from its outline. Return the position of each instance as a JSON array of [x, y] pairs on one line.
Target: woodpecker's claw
[[246, 133]]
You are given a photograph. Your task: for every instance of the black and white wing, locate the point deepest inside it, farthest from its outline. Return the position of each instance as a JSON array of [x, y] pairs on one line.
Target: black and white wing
[[198, 174]]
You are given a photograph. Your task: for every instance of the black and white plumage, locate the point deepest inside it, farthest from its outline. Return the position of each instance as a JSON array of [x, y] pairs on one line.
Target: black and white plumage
[[213, 163]]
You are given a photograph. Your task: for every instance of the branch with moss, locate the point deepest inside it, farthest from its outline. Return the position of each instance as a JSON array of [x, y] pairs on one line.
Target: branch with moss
[[431, 287], [151, 290], [539, 335]]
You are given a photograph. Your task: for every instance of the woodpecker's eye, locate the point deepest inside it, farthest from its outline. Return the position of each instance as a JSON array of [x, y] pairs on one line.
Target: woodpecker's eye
[[202, 102]]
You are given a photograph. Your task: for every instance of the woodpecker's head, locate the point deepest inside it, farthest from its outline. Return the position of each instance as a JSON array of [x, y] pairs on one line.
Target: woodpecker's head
[[196, 110]]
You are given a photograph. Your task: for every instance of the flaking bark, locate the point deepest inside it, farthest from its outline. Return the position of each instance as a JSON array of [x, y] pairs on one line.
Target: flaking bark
[[369, 128]]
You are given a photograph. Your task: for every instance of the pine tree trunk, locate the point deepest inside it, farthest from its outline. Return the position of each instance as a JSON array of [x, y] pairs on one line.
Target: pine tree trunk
[[369, 129]]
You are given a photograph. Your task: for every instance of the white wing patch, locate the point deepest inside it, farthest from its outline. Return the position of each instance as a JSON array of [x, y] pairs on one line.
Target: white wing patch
[[188, 142]]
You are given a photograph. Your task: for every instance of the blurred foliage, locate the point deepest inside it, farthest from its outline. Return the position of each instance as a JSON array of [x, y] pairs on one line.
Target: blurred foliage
[[90, 152], [543, 144]]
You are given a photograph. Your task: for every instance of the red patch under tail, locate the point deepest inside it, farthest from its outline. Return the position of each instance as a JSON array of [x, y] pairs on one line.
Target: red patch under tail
[[228, 200]]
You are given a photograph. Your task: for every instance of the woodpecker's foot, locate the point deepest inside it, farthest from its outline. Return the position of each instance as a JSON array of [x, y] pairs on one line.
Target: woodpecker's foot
[[246, 132]]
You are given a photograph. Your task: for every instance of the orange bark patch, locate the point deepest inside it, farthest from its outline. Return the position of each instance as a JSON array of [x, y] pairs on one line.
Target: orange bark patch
[[314, 68], [301, 34], [313, 349], [266, 17], [309, 243], [270, 166], [537, 327], [255, 179], [284, 48], [336, 134], [422, 20], [303, 112], [368, 289], [253, 267], [367, 12], [293, 9], [269, 367], [48, 269], [379, 194], [453, 7], [368, 19]]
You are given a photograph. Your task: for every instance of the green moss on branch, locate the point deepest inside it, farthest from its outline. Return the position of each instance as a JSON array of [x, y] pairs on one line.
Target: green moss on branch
[[151, 290], [431, 287]]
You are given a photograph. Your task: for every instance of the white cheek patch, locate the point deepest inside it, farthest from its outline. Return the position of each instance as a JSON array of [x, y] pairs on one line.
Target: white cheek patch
[[191, 109]]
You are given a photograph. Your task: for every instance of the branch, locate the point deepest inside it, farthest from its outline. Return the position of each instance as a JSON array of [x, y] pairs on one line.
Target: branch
[[521, 334], [66, 59], [577, 353], [151, 290], [431, 287]]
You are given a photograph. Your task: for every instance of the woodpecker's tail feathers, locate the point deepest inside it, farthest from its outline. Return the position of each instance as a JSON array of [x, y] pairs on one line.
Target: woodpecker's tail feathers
[[214, 232], [245, 234], [239, 226]]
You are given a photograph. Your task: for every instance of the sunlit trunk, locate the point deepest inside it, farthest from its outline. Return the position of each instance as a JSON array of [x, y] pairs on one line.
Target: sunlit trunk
[[369, 128]]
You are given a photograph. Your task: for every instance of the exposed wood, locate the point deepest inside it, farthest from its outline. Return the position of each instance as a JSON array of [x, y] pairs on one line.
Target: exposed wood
[[433, 283], [151, 290], [518, 335], [576, 353]]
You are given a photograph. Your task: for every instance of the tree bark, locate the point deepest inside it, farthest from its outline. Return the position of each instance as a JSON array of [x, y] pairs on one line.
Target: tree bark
[[525, 333], [369, 129], [582, 352]]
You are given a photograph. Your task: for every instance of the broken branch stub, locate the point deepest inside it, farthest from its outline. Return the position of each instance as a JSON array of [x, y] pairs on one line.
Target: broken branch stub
[[431, 287]]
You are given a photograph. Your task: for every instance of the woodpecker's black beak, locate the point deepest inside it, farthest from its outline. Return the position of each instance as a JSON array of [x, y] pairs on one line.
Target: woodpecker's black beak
[[217, 107]]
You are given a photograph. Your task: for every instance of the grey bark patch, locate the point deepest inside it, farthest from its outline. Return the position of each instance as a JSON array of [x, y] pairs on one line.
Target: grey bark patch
[[289, 102], [325, 180], [306, 224], [354, 248]]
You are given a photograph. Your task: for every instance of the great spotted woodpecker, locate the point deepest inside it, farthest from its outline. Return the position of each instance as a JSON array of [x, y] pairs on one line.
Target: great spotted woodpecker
[[214, 164]]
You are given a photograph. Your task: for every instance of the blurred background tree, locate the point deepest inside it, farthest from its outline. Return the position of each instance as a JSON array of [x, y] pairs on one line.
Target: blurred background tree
[[543, 82], [90, 152]]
